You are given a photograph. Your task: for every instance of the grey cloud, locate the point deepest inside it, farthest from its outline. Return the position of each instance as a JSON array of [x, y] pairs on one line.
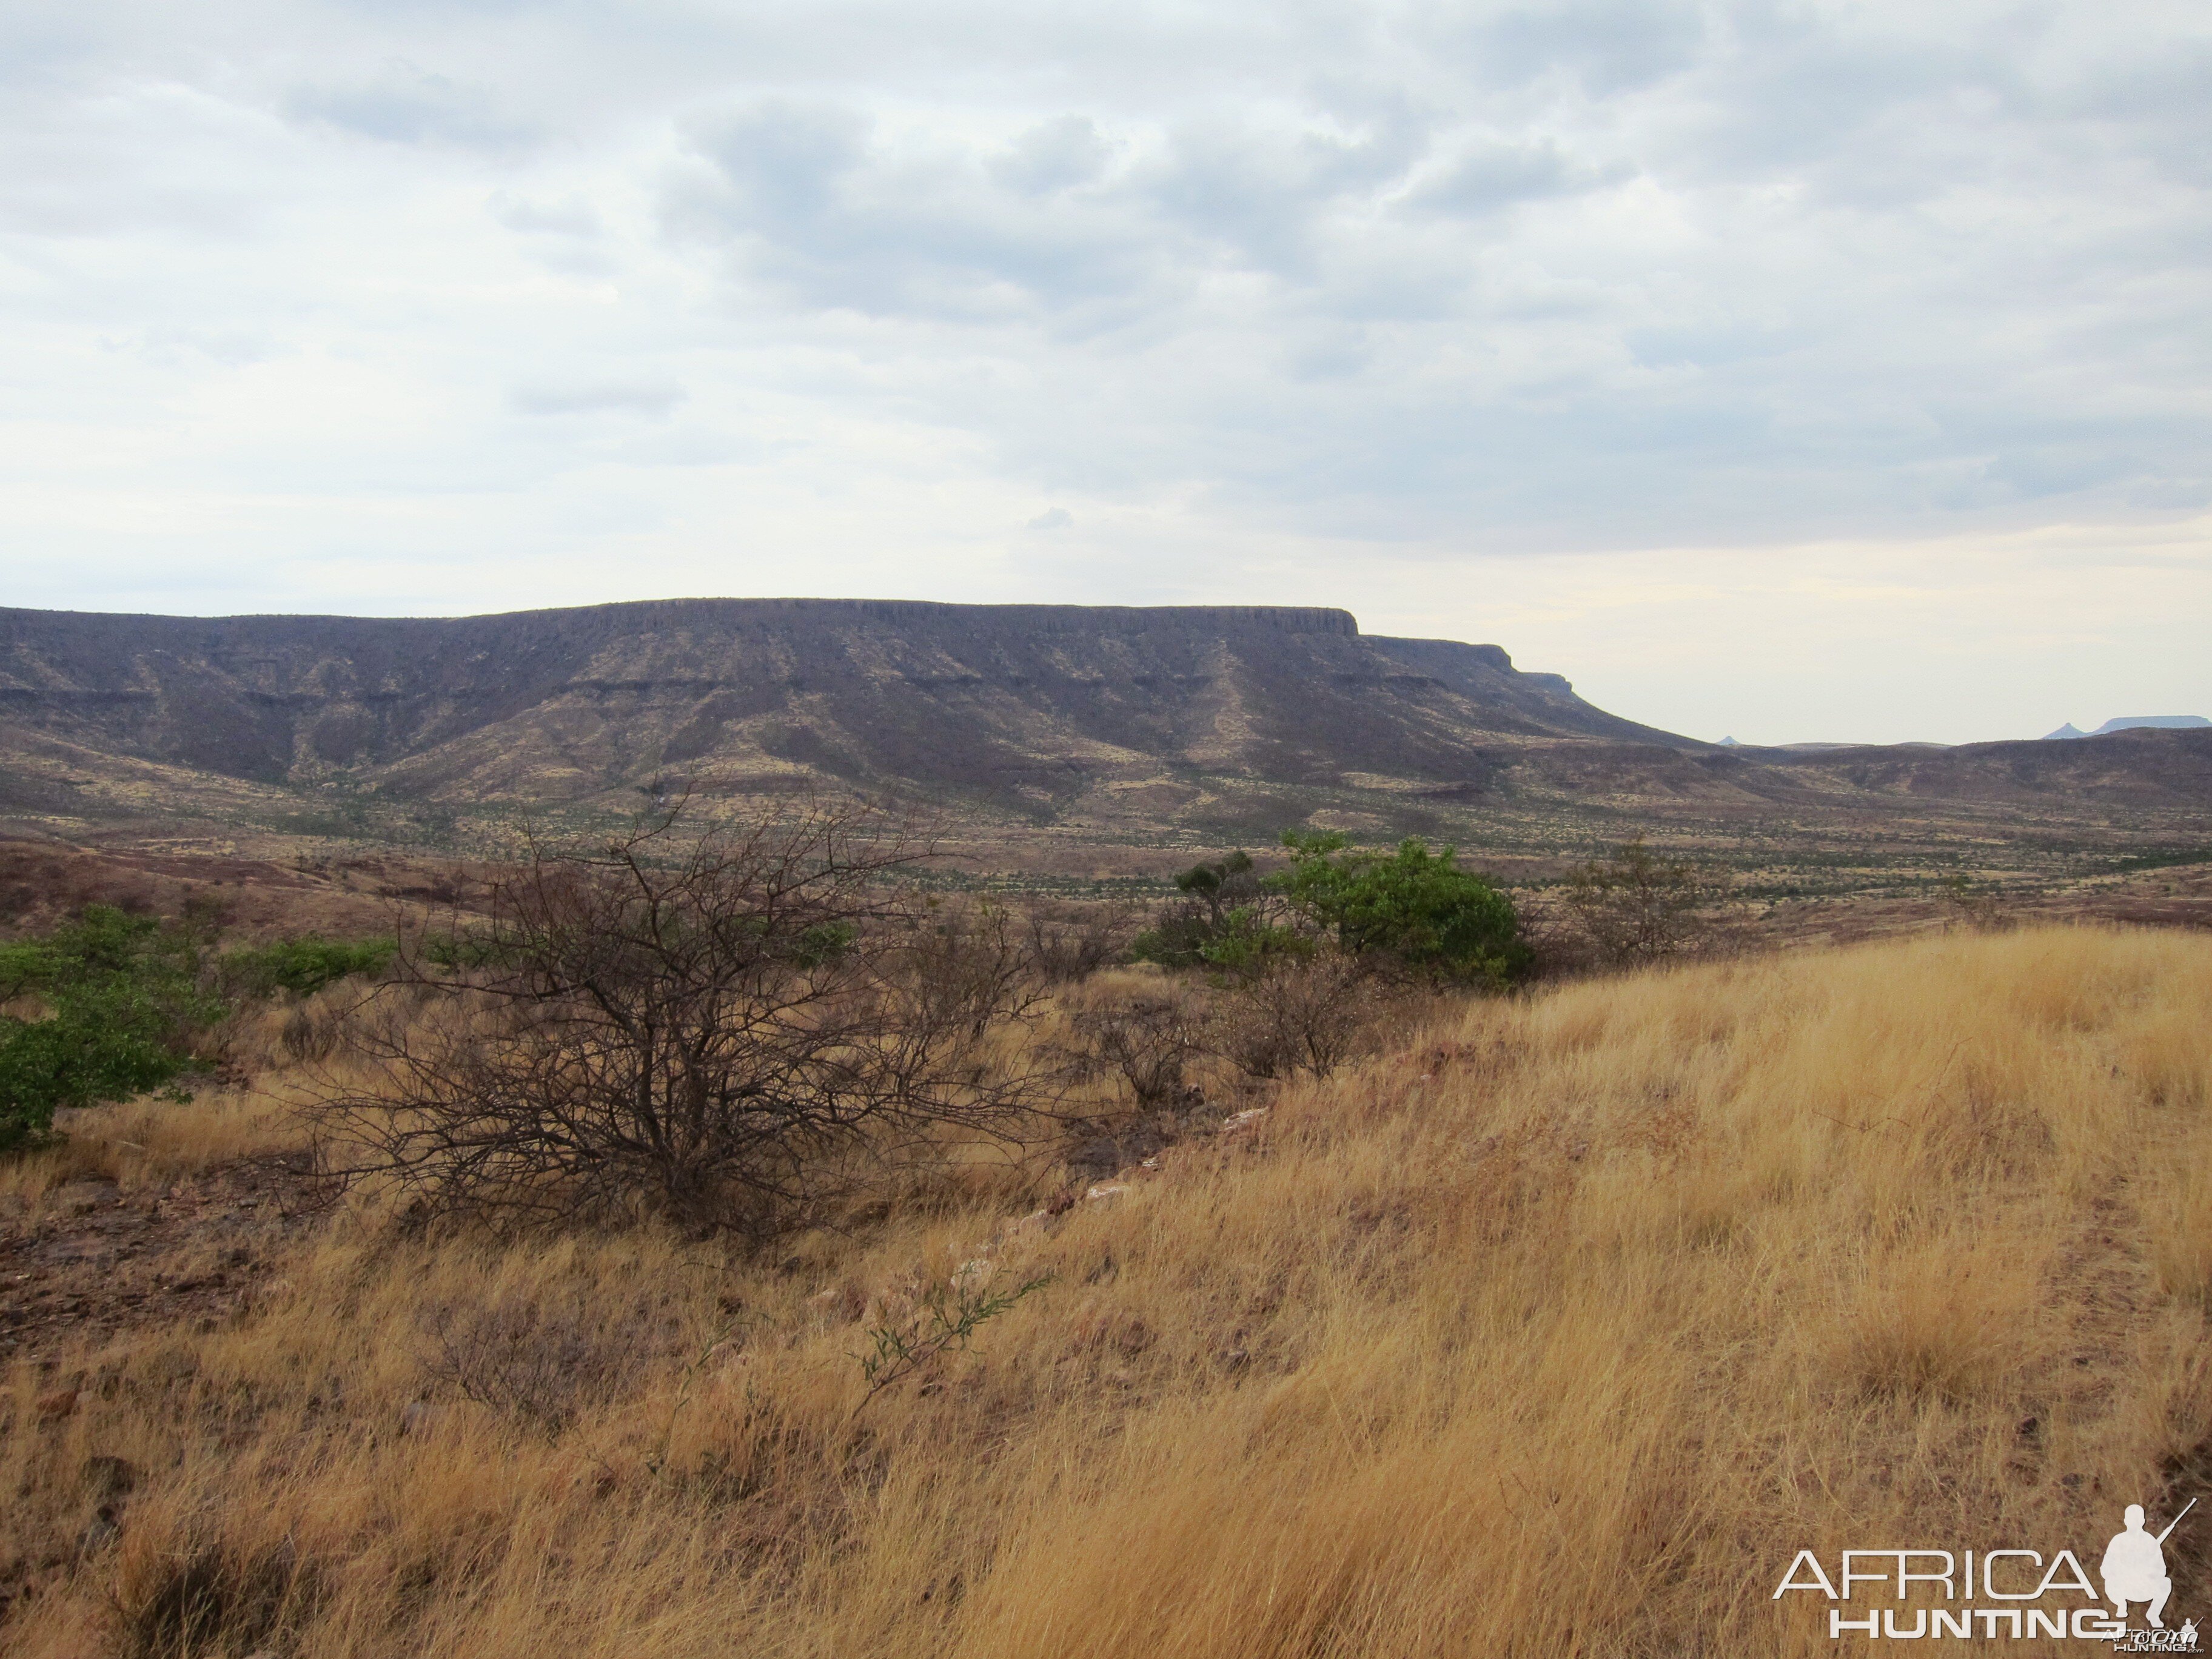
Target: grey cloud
[[811, 202], [406, 104], [1497, 175], [1531, 276], [1608, 45], [1052, 518], [1054, 155], [1263, 194]]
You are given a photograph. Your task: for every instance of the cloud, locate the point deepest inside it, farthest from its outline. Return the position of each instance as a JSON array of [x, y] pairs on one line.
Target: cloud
[[1053, 518], [1434, 287], [406, 104], [1057, 155], [655, 399], [813, 201], [1492, 175]]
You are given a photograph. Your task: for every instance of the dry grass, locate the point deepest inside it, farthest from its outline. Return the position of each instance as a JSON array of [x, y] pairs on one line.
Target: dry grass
[[1557, 1331]]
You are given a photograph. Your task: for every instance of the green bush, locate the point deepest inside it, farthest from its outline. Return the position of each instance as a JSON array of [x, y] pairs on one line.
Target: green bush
[[121, 998], [1413, 907], [1220, 921], [304, 965]]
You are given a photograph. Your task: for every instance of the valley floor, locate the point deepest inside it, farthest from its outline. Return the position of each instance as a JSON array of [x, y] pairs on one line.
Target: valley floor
[[1558, 1328]]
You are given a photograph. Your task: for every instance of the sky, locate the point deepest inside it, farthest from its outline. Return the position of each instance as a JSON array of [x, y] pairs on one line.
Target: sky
[[1787, 371]]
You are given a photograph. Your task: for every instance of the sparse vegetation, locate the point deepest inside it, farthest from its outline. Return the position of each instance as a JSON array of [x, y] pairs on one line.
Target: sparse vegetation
[[726, 1029], [103, 1008], [1385, 1317], [1555, 1325], [1638, 906], [1307, 1013], [303, 965]]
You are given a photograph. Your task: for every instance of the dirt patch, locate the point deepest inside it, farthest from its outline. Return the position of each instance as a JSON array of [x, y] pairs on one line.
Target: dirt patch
[[90, 1260]]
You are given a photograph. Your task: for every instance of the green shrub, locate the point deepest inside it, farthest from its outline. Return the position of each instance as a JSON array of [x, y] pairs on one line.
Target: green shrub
[[1413, 907], [1225, 919], [120, 998], [304, 965]]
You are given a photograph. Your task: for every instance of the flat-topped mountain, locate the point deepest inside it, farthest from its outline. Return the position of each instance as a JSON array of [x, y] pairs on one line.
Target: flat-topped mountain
[[1023, 706], [1243, 717]]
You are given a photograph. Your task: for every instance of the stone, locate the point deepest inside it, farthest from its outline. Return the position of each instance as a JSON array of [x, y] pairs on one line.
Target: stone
[[103, 1529], [107, 1477], [59, 1404]]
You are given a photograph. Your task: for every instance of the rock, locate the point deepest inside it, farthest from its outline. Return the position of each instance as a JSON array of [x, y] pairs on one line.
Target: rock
[[1106, 1189], [416, 1416], [1243, 1122], [103, 1530], [107, 1477], [61, 1403]]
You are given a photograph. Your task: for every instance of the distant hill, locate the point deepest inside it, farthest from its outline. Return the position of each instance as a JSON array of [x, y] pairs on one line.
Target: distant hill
[[2134, 723], [1207, 719]]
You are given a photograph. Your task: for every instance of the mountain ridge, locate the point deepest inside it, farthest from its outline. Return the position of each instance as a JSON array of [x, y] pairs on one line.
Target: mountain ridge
[[1169, 719]]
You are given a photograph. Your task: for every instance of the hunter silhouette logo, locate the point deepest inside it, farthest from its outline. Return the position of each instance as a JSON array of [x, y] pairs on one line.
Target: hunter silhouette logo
[[2134, 1568], [2031, 1596]]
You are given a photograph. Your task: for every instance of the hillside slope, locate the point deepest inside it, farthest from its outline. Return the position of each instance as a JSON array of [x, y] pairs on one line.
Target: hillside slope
[[1120, 725], [1032, 705], [1559, 1330]]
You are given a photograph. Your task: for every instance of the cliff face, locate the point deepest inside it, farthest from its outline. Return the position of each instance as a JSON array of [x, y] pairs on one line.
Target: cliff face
[[1226, 719], [1027, 705]]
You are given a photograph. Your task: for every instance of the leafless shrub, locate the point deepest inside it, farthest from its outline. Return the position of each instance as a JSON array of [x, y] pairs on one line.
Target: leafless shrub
[[1298, 1014], [311, 1031], [539, 1362], [1069, 942], [1558, 945], [972, 965], [1144, 1044], [1637, 906], [724, 1028], [1981, 909]]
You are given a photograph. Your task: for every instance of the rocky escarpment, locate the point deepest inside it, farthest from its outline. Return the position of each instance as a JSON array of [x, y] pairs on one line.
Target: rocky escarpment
[[1021, 703], [1207, 719]]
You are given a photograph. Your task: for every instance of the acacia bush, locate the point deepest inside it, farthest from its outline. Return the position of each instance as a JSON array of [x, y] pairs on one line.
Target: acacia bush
[[725, 1026], [1638, 906], [1412, 909], [1144, 1043], [1306, 1013], [1068, 941], [1221, 899]]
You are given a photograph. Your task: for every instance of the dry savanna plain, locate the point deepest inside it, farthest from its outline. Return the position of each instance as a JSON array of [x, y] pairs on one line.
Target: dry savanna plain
[[1551, 1322], [1832, 1173]]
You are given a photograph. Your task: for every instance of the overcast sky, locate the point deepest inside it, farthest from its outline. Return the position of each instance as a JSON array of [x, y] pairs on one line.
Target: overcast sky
[[1791, 371]]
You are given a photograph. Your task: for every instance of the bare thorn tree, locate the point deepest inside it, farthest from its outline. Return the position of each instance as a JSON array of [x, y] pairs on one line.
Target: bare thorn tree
[[725, 1027], [1297, 1014], [1637, 906]]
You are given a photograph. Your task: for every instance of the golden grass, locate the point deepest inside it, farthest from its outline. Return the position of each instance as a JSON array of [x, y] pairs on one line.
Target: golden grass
[[1557, 1331]]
